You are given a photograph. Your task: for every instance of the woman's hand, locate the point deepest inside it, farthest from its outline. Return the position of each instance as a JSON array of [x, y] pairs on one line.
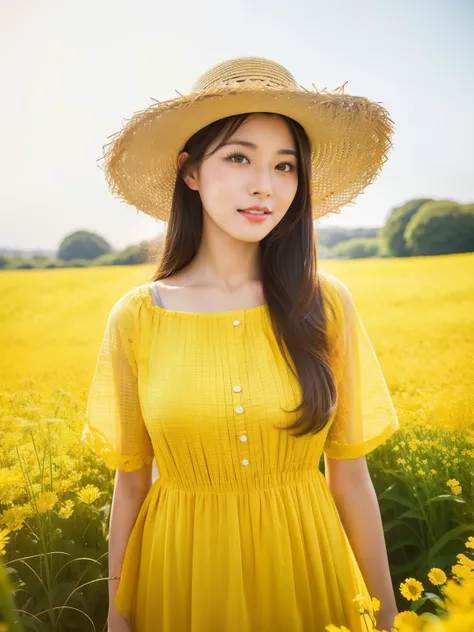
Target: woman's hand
[[117, 623], [385, 620]]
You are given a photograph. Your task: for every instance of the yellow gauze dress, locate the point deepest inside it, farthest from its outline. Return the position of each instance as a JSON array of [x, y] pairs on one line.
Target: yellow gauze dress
[[239, 532]]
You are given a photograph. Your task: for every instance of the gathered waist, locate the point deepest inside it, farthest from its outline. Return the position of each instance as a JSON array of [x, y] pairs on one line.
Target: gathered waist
[[243, 485]]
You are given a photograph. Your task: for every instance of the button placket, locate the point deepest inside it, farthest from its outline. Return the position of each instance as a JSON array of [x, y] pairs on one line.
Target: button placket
[[238, 408]]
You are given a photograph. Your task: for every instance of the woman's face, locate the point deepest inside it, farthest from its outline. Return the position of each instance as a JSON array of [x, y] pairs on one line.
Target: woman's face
[[256, 166]]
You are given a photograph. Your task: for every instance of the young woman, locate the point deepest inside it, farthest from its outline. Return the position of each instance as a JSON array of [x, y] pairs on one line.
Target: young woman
[[239, 364]]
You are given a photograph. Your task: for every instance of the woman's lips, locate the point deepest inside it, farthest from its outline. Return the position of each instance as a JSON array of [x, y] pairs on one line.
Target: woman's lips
[[254, 217]]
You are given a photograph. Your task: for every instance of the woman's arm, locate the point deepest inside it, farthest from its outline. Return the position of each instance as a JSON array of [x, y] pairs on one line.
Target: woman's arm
[[130, 491], [356, 501]]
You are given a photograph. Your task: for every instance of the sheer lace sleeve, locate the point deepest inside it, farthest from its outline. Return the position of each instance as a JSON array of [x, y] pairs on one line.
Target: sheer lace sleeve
[[365, 416], [114, 426]]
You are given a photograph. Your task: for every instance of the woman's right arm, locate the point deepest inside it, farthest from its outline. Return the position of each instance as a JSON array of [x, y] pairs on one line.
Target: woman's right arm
[[130, 491]]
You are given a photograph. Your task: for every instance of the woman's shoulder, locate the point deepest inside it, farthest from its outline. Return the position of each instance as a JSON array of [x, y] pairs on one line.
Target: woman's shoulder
[[130, 304], [335, 291]]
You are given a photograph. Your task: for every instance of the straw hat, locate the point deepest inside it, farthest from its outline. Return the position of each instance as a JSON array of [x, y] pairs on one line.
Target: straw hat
[[350, 135]]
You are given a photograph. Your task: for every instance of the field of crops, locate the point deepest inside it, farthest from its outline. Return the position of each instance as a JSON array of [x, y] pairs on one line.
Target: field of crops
[[55, 494]]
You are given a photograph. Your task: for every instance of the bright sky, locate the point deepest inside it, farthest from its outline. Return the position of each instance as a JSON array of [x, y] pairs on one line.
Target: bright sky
[[72, 72]]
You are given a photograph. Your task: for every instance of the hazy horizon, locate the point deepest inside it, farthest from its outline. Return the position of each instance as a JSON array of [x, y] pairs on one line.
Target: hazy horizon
[[74, 73]]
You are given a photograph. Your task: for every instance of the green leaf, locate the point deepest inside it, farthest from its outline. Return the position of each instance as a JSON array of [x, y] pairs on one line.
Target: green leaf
[[448, 497], [399, 544], [389, 495], [436, 599], [451, 535]]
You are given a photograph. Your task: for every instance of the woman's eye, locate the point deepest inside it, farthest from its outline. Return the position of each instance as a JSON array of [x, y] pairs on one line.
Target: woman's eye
[[287, 164], [284, 164], [236, 156]]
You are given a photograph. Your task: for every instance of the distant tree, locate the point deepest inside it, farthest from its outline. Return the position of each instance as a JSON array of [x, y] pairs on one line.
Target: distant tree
[[83, 245], [4, 262], [132, 255], [393, 232], [329, 236], [440, 228], [357, 248], [22, 264]]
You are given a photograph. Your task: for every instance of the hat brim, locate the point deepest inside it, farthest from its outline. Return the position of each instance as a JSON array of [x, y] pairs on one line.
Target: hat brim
[[350, 138]]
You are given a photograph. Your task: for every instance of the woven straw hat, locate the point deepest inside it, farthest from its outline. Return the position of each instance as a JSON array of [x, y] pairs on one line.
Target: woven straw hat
[[350, 135]]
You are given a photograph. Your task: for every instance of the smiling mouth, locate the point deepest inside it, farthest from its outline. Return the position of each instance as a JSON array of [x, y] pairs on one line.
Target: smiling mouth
[[253, 212]]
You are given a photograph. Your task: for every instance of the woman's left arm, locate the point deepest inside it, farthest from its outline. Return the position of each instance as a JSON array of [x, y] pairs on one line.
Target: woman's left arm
[[354, 495]]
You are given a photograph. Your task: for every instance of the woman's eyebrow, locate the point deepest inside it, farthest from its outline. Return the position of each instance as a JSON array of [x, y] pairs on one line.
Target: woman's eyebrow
[[246, 143]]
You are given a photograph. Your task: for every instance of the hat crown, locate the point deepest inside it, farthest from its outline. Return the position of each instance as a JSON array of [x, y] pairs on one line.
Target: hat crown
[[244, 70]]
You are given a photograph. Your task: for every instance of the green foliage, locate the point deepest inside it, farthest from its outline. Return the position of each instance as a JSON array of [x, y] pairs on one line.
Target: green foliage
[[133, 255], [393, 232], [426, 521], [357, 248], [57, 557], [82, 245], [331, 236], [7, 607], [441, 227]]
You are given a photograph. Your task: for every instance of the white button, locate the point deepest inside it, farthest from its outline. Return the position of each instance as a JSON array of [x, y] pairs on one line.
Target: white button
[[239, 409], [245, 462], [237, 389], [243, 438], [236, 322]]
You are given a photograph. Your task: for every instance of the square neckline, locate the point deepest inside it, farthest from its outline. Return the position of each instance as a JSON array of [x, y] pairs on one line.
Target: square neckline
[[153, 292]]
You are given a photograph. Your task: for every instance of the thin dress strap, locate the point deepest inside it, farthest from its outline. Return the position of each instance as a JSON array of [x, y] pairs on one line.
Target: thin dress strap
[[156, 294]]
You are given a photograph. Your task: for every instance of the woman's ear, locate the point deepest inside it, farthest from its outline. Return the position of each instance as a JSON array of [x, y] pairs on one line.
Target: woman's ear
[[189, 177]]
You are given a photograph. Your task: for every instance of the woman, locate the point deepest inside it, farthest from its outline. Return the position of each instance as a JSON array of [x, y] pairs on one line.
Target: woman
[[239, 364]]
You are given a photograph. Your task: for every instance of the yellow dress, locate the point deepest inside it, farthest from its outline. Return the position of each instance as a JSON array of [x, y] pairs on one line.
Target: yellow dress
[[239, 533]]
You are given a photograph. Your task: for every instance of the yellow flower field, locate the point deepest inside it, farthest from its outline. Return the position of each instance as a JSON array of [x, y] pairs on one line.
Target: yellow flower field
[[55, 494], [419, 313]]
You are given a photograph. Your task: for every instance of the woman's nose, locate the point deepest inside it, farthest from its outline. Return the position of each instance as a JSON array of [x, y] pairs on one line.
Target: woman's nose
[[262, 184]]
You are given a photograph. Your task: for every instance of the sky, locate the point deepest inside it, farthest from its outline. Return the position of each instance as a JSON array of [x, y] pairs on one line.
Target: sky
[[73, 72]]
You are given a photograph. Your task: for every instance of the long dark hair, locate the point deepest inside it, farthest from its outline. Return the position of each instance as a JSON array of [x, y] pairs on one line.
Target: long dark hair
[[288, 258]]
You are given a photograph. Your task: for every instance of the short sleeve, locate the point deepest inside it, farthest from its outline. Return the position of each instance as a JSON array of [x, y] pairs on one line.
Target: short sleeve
[[365, 416], [114, 426]]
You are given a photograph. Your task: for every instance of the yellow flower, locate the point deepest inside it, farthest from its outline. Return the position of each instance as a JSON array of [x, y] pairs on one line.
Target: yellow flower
[[28, 510], [456, 622], [46, 501], [411, 589], [14, 517], [333, 628], [62, 485], [463, 559], [89, 494], [461, 571], [457, 489], [433, 471], [66, 510], [470, 543], [437, 576], [452, 482], [459, 596], [375, 604], [360, 599], [4, 539], [407, 620]]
